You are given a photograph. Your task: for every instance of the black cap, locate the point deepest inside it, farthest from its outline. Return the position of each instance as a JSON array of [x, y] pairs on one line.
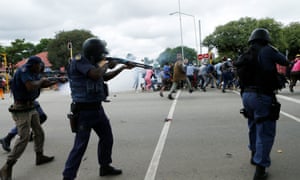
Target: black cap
[[33, 60]]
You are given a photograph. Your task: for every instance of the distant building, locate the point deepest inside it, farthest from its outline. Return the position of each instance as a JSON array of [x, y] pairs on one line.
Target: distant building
[[43, 56]]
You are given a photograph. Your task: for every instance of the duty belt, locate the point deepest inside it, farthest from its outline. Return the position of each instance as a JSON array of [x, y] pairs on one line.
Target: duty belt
[[23, 102], [259, 91], [21, 106], [87, 106]]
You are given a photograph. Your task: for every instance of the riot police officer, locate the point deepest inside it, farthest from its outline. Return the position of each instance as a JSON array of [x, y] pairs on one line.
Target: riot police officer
[[87, 73], [26, 86], [259, 100]]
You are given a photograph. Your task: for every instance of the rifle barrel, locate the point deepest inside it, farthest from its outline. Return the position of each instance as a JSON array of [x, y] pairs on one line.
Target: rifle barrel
[[127, 62]]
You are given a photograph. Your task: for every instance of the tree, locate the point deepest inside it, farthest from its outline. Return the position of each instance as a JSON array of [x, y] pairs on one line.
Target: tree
[[276, 32], [19, 50], [169, 55], [42, 46], [292, 38], [58, 52], [232, 38]]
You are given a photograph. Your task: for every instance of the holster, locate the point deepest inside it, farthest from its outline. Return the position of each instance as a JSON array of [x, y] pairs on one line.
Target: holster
[[275, 110], [73, 117], [244, 112], [73, 122]]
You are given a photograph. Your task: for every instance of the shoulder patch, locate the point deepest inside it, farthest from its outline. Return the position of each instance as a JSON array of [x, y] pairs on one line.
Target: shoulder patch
[[77, 57], [23, 69], [274, 48]]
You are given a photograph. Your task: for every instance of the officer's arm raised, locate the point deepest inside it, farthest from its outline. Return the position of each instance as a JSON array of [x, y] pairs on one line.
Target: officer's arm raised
[[98, 72], [33, 85]]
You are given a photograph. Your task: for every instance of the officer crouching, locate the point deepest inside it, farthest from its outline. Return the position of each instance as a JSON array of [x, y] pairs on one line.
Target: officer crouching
[[87, 73], [258, 95]]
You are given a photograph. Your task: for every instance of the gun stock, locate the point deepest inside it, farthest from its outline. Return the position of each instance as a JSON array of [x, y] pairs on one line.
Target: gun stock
[[58, 79], [127, 62]]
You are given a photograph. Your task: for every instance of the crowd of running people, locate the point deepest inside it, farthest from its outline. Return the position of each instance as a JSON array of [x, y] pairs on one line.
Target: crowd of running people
[[221, 75]]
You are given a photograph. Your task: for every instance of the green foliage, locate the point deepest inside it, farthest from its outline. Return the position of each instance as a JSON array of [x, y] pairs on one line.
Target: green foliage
[[19, 50], [232, 38], [292, 37], [42, 46], [169, 55], [58, 52]]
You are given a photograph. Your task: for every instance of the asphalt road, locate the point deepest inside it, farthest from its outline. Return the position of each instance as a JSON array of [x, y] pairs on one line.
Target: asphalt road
[[205, 139]]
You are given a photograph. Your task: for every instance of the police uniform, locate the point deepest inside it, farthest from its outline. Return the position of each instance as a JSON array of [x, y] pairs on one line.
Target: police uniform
[[258, 105], [25, 115], [259, 101], [87, 95]]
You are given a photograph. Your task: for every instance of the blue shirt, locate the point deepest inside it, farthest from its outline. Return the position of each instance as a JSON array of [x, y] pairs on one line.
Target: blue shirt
[[167, 71], [268, 57], [19, 90]]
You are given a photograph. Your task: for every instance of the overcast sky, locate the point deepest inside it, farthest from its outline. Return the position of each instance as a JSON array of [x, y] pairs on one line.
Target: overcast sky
[[141, 27]]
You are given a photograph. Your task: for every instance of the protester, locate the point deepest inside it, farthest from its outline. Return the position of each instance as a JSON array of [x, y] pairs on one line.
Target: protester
[[148, 79], [166, 78], [179, 75], [295, 73], [2, 87], [227, 74]]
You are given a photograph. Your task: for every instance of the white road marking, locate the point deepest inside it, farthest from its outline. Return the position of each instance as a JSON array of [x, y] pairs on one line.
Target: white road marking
[[152, 169], [288, 99], [290, 116], [282, 112]]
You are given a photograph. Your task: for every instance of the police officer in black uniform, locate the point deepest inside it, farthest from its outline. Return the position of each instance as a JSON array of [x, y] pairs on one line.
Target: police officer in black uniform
[[87, 73], [259, 100]]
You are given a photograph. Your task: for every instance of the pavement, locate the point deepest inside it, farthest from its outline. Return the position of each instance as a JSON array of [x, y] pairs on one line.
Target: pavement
[[204, 137]]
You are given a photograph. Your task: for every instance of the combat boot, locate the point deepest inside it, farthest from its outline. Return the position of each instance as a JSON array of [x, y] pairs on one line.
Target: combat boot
[[42, 159], [109, 171], [6, 170], [260, 173]]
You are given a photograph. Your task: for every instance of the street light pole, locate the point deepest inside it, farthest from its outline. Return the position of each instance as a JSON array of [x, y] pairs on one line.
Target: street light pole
[[195, 29], [200, 47], [182, 52]]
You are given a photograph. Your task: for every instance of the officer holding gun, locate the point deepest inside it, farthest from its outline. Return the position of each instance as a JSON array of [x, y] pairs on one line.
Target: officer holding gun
[[87, 73], [26, 87]]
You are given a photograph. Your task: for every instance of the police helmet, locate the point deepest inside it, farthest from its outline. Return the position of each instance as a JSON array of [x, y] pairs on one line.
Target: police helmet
[[259, 34], [94, 49]]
